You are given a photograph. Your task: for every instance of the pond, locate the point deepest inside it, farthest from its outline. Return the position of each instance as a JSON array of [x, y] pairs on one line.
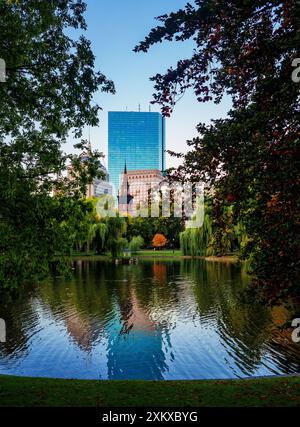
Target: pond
[[156, 320]]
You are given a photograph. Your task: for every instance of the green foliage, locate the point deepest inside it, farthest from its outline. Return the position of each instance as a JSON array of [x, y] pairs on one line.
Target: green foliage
[[136, 243], [196, 241], [48, 92], [116, 230], [39, 235], [148, 227], [100, 234], [107, 234], [251, 158], [218, 236]]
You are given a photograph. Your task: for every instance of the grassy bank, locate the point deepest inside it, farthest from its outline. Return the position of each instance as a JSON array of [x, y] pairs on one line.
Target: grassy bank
[[151, 254], [16, 391], [163, 252], [147, 253]]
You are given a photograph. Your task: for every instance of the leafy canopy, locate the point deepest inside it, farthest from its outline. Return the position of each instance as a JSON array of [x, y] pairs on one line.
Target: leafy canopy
[[244, 49], [48, 93]]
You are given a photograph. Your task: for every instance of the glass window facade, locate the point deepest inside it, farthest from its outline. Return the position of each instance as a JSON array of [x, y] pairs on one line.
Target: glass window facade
[[136, 138]]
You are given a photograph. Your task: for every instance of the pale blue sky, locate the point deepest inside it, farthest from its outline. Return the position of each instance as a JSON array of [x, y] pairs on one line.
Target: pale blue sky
[[114, 28]]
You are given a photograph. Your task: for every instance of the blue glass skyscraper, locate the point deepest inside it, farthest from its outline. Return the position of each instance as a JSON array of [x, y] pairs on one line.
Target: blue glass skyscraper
[[137, 139]]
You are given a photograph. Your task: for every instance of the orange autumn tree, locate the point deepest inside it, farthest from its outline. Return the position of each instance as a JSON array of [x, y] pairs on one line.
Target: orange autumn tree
[[159, 241]]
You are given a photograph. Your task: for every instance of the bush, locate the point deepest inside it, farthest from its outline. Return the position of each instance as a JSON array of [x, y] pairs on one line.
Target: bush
[[136, 243]]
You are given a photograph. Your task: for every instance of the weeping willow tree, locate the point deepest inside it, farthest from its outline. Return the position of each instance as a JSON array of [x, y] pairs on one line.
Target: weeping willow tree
[[115, 231], [211, 239], [100, 234], [195, 241], [96, 236]]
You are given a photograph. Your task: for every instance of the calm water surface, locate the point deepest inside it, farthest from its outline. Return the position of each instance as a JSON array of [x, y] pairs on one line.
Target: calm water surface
[[155, 320]]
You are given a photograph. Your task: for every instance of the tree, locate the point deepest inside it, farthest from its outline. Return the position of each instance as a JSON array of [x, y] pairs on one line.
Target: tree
[[212, 239], [159, 241], [136, 243], [148, 227], [251, 158], [196, 241], [50, 83], [91, 232], [116, 231]]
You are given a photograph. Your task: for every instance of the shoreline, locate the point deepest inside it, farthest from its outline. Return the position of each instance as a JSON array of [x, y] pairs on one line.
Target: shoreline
[[232, 259]]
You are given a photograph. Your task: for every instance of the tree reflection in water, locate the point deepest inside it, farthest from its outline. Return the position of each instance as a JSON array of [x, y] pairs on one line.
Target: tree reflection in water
[[153, 320]]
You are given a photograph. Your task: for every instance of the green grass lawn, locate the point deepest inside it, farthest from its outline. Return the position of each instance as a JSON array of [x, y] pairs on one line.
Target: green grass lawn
[[148, 253], [17, 391], [166, 254], [160, 253]]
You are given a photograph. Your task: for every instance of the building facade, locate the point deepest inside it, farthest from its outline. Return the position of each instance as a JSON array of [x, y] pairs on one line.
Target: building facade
[[137, 139], [125, 199], [102, 186], [141, 182], [136, 188]]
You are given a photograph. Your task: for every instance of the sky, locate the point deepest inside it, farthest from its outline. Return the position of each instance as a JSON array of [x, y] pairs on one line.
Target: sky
[[115, 27]]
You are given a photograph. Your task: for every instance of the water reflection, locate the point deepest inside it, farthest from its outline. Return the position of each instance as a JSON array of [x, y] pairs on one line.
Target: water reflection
[[154, 320]]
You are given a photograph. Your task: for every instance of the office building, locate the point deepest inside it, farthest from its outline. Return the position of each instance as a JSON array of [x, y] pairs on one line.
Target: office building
[[102, 186], [140, 183], [137, 139]]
